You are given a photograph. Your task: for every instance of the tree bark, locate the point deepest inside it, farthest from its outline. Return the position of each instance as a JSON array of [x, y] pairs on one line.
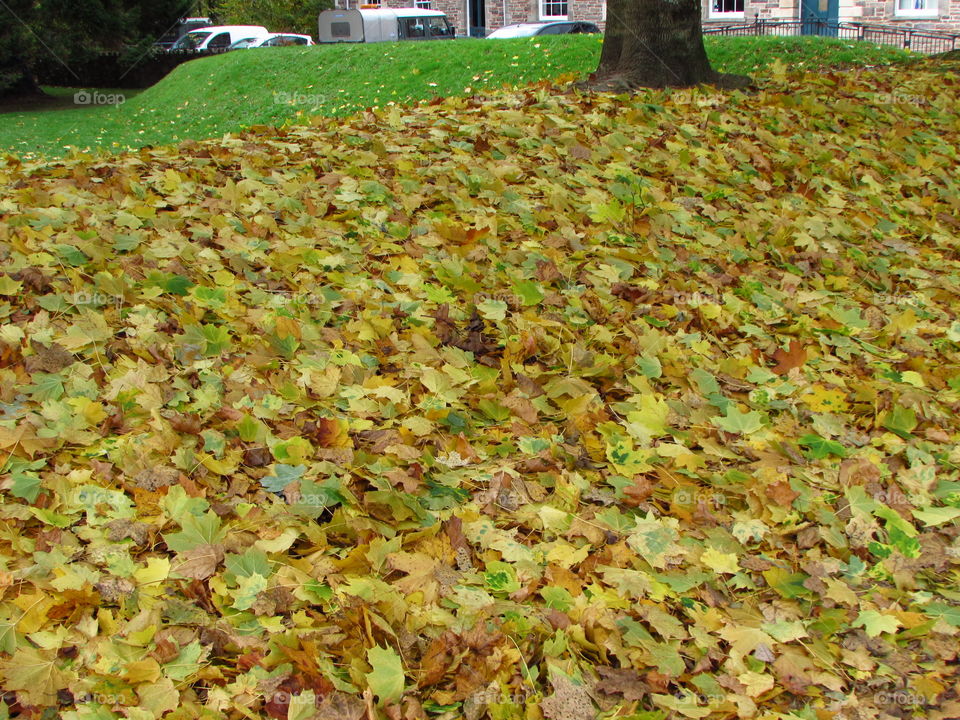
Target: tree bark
[[653, 43]]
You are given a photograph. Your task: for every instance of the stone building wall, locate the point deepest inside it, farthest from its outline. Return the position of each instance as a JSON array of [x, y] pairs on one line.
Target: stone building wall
[[865, 11]]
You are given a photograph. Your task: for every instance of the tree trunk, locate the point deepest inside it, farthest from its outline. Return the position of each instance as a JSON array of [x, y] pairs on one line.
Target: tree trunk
[[653, 43]]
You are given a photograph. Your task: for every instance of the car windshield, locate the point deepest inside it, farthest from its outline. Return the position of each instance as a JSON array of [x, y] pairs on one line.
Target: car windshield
[[192, 40], [515, 31]]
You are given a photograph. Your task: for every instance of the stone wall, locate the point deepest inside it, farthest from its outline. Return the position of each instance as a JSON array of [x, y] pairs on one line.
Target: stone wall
[[884, 11], [594, 11], [865, 11]]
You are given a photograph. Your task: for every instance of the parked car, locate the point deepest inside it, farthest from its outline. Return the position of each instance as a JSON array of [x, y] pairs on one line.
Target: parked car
[[543, 28], [218, 37], [273, 40], [182, 28], [378, 25]]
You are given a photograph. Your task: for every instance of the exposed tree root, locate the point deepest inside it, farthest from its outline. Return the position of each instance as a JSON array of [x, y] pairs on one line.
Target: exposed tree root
[[623, 82]]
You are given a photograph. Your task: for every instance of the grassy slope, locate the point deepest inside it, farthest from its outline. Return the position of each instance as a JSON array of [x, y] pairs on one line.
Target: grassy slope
[[211, 96]]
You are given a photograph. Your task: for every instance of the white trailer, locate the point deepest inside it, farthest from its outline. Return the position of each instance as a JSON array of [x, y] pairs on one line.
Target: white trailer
[[380, 25]]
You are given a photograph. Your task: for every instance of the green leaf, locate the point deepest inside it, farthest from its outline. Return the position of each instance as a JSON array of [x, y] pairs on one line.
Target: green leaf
[[186, 663], [173, 284], [501, 577], [196, 530], [949, 613], [386, 679], [252, 562], [217, 338], [737, 421], [875, 623], [46, 386], [316, 497], [26, 482], [936, 515], [282, 476], [71, 255], [650, 366], [819, 448], [493, 310], [901, 421], [248, 588], [530, 293], [557, 597]]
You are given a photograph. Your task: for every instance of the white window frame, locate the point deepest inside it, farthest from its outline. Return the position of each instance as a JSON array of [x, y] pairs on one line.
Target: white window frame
[[931, 11], [550, 18], [422, 4], [735, 15]]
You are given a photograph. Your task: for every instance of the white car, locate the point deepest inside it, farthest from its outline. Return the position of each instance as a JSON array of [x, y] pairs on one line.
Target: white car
[[274, 40], [218, 37], [544, 28]]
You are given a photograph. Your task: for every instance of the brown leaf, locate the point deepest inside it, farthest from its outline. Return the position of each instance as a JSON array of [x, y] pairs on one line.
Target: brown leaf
[[156, 477], [630, 293], [186, 423], [641, 489], [789, 359], [658, 681], [568, 702], [858, 471], [340, 706], [48, 359], [625, 682], [454, 529], [436, 660], [200, 562], [781, 493], [580, 152], [257, 457]]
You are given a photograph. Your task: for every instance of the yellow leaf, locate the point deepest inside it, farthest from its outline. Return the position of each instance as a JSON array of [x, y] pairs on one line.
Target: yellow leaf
[[9, 286], [756, 683], [141, 671], [34, 675], [720, 562]]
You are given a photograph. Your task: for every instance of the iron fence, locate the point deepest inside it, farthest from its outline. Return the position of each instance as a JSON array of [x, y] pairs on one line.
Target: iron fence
[[928, 42]]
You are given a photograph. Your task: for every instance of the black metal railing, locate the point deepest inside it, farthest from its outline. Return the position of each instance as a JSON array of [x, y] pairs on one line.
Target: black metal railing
[[928, 42]]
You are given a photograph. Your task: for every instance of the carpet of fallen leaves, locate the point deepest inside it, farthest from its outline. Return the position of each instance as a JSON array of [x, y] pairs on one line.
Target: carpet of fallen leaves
[[538, 405]]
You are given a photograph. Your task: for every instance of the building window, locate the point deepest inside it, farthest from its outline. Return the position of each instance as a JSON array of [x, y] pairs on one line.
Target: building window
[[422, 4], [553, 9], [916, 8], [727, 8]]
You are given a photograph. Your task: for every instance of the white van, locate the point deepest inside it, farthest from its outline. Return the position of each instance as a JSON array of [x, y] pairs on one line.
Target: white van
[[378, 25], [218, 37]]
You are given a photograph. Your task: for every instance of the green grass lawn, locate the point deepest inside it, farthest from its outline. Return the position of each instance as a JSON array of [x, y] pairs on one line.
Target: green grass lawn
[[210, 96]]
